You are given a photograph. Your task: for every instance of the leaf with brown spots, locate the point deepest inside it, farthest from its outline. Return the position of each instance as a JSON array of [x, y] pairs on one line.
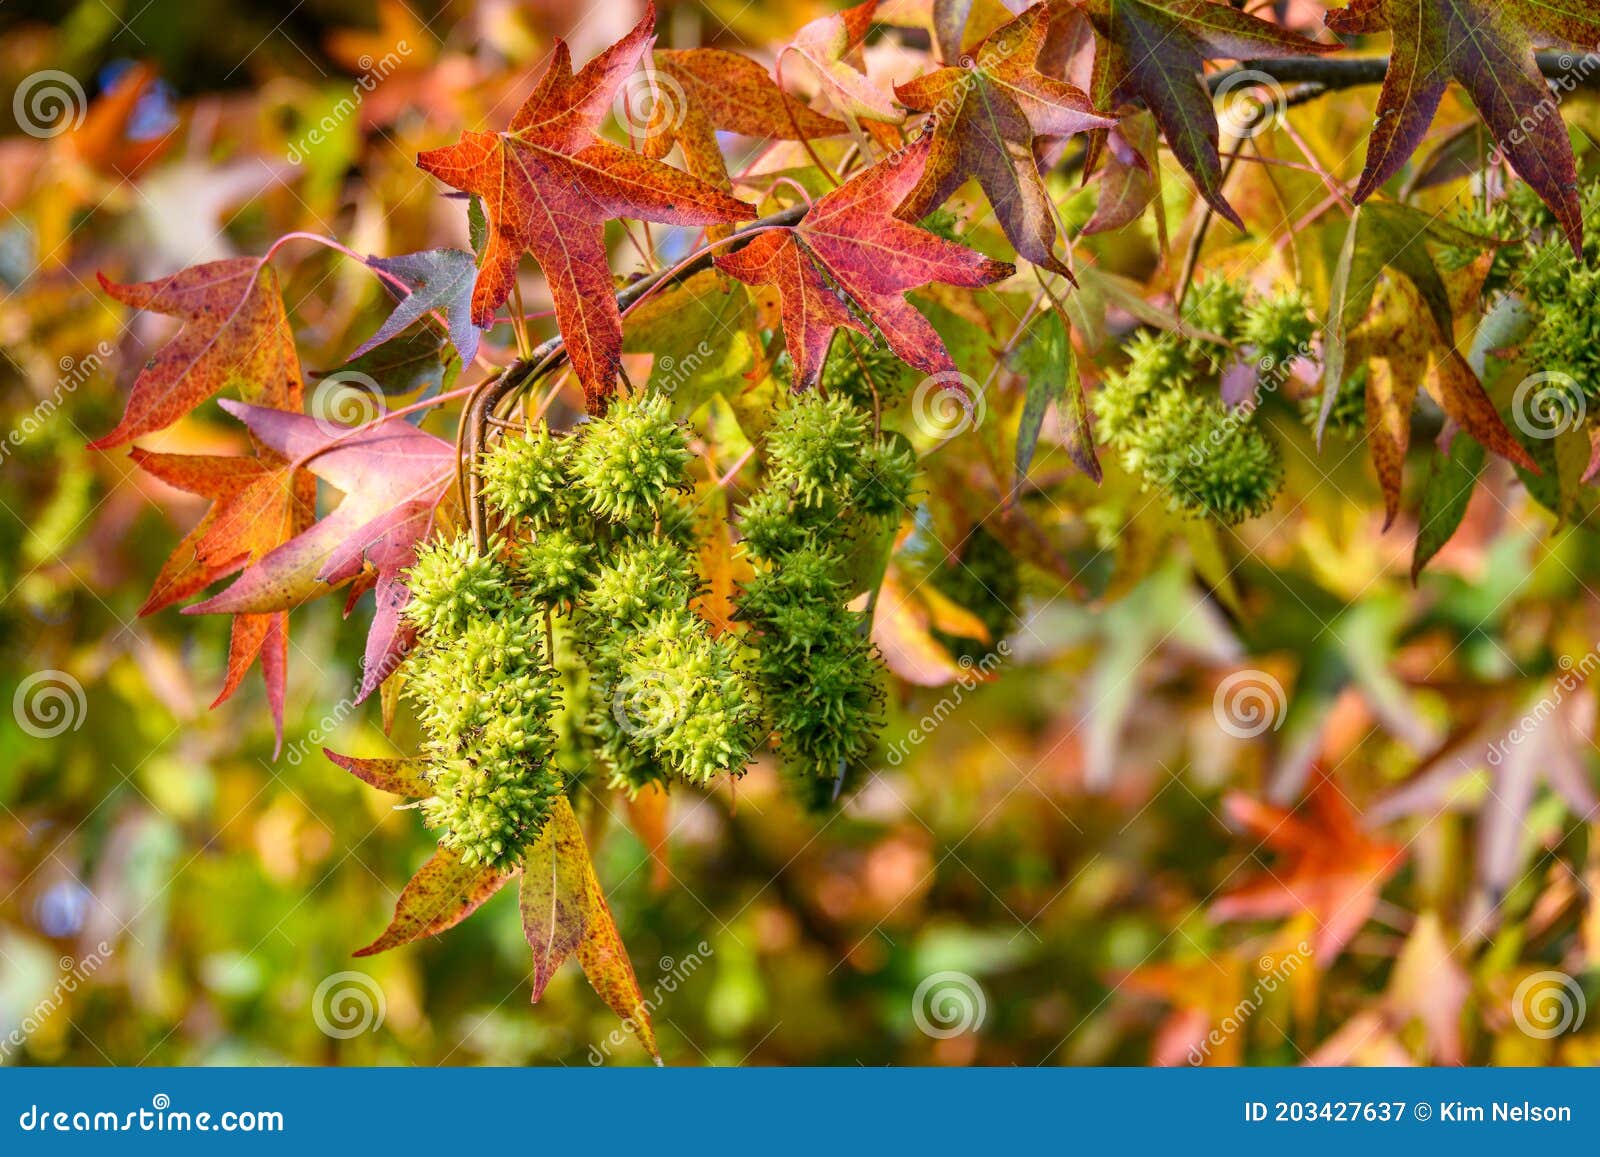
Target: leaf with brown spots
[[549, 184], [400, 776], [986, 117], [1154, 51], [556, 899], [235, 333], [1487, 46], [851, 239], [443, 893]]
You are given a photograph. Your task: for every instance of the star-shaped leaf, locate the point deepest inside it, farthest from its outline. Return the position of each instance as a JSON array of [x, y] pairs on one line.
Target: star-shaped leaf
[[392, 477], [437, 279], [1329, 868], [1486, 45], [443, 893], [235, 333], [1155, 51], [986, 115], [255, 505], [831, 44], [549, 184], [851, 248]]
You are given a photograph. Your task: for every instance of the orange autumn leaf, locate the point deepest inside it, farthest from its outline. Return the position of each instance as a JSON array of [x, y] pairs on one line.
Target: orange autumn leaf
[[1328, 867]]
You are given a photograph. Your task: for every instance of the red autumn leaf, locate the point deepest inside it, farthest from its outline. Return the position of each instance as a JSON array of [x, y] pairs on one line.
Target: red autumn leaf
[[1488, 48], [987, 115], [1155, 51], [255, 506], [443, 893], [392, 477], [235, 332], [548, 186], [852, 239], [1329, 868]]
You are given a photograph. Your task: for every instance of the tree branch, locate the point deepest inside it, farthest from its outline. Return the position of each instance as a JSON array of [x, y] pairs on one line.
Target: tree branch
[[1574, 69]]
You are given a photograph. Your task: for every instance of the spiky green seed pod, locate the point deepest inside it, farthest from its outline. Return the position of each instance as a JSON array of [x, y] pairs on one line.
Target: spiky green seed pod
[[814, 447], [1156, 362], [885, 479], [451, 584], [1278, 329], [628, 463], [527, 478], [554, 568], [1207, 459], [1215, 304], [641, 580], [866, 374], [825, 705], [812, 575], [491, 804], [682, 698], [773, 527]]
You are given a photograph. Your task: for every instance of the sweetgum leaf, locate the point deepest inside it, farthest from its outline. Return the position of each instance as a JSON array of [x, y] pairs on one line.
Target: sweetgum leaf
[[438, 279], [1154, 51], [548, 186], [987, 114], [443, 893], [1487, 46], [235, 333], [852, 239], [556, 897]]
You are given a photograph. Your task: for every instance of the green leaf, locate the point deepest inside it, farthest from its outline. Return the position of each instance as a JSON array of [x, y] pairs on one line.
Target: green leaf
[[1047, 362], [1451, 479]]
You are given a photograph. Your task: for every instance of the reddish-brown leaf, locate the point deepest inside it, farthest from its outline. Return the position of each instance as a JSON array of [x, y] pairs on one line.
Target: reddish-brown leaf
[[986, 115], [549, 184], [1486, 45], [851, 239], [832, 46], [1155, 51], [443, 893], [235, 333]]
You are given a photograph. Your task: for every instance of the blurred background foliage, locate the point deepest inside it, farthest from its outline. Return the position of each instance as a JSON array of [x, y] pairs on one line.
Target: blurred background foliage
[[1067, 860]]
